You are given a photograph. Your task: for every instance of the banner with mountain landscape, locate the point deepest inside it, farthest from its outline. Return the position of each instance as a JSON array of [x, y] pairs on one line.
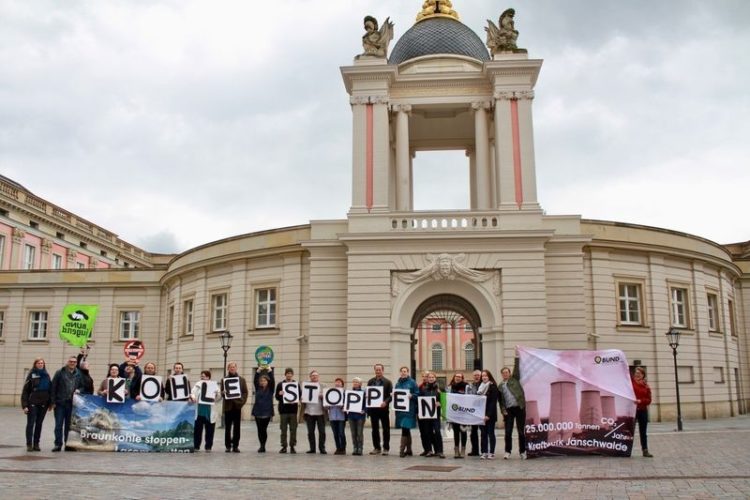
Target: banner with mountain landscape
[[132, 426]]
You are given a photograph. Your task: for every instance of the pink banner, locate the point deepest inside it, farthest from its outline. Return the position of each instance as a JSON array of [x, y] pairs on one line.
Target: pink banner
[[577, 402]]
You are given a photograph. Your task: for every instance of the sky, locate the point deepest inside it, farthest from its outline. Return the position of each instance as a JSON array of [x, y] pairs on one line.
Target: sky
[[174, 123]]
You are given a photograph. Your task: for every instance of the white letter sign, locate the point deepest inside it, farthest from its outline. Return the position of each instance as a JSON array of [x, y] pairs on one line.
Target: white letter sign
[[427, 407], [291, 392], [115, 390], [354, 401], [310, 392], [232, 389], [178, 386], [208, 392], [401, 400], [374, 396], [334, 397], [151, 388]]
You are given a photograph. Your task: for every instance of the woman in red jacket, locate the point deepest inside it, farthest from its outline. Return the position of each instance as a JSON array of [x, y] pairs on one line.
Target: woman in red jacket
[[642, 400]]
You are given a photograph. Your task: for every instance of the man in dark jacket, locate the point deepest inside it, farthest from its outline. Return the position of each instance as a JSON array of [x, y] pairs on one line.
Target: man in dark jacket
[[233, 411], [66, 382], [381, 415], [513, 406], [287, 414]]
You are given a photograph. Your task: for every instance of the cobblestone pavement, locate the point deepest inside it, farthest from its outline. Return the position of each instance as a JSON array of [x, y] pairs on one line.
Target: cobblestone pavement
[[710, 459]]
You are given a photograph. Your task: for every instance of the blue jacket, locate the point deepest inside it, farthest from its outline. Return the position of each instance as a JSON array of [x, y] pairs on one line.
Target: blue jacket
[[408, 419]]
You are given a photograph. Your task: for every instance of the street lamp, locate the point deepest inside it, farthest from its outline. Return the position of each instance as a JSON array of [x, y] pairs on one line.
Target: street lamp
[[226, 343], [673, 337]]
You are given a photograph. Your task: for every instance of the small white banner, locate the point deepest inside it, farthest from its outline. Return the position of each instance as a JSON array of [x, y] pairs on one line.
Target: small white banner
[[465, 409]]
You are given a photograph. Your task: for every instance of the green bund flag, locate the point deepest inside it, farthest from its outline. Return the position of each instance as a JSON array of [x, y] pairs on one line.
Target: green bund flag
[[76, 323]]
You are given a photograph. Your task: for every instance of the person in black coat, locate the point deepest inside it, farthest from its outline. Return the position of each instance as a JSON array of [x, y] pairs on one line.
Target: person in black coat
[[263, 406], [35, 401], [488, 388]]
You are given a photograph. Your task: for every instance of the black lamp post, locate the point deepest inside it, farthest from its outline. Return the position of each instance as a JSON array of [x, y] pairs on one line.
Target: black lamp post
[[673, 336], [226, 343]]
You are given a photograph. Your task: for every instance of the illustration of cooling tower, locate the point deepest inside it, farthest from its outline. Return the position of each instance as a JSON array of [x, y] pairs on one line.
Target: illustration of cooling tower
[[591, 407], [608, 409], [532, 413], [563, 410]]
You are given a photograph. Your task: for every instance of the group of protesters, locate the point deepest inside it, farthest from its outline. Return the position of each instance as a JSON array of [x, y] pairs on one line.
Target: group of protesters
[[42, 393]]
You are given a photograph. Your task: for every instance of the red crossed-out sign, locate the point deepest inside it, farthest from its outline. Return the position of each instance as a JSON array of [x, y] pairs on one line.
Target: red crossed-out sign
[[134, 349]]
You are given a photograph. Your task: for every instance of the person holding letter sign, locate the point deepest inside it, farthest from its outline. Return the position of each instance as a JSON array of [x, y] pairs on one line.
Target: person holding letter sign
[[405, 420], [234, 392], [288, 411], [488, 388], [263, 406], [356, 416], [206, 394], [312, 395], [434, 439], [381, 416], [513, 407], [336, 417], [113, 372], [150, 371], [178, 386]]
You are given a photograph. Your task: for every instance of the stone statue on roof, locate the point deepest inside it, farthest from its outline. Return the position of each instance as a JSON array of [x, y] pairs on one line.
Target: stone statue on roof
[[502, 38], [441, 8], [375, 41]]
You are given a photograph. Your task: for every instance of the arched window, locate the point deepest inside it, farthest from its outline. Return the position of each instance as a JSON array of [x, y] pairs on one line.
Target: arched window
[[437, 357], [469, 356]]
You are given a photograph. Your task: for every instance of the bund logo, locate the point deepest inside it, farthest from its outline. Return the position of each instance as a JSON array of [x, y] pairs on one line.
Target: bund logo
[[603, 361]]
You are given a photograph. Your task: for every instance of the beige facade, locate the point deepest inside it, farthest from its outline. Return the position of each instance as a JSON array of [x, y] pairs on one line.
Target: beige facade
[[341, 295]]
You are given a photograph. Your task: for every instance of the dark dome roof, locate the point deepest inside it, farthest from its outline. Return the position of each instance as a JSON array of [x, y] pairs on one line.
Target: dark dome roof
[[438, 35]]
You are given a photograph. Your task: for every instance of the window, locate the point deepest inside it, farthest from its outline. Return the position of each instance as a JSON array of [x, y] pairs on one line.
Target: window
[[468, 327], [60, 235], [170, 322], [629, 303], [34, 224], [29, 256], [56, 261], [718, 375], [266, 304], [129, 324], [732, 324], [437, 327], [437, 357], [469, 355], [679, 298], [685, 374], [187, 311], [219, 316], [37, 325], [83, 244], [80, 265], [2, 323], [713, 312], [102, 253], [2, 250]]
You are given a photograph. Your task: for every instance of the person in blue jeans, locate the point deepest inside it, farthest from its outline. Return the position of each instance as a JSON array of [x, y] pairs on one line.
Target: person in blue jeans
[[337, 417], [66, 382], [488, 388], [35, 402]]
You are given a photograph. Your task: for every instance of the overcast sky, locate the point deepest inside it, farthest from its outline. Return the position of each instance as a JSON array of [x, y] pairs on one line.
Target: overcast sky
[[178, 122]]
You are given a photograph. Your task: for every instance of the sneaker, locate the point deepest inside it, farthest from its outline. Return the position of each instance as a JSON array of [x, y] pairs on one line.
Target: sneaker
[[483, 456], [523, 456], [283, 450], [29, 447], [424, 453], [490, 456], [228, 450], [506, 456], [441, 455], [310, 451], [208, 450], [385, 452], [36, 448], [57, 448], [376, 451]]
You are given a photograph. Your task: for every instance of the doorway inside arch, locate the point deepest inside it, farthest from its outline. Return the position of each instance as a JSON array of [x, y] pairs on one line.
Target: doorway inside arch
[[445, 338]]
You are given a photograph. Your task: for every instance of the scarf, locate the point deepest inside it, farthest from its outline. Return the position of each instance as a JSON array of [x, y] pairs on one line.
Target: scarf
[[44, 381]]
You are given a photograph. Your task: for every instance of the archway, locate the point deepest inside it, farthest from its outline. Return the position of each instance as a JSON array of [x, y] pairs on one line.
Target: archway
[[445, 336]]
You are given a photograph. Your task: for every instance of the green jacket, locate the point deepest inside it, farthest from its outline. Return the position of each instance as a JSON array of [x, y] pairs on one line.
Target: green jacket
[[514, 386]]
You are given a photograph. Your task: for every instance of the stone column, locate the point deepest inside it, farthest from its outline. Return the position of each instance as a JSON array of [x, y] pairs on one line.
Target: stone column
[[370, 154], [403, 158], [482, 145], [505, 178], [528, 163], [16, 248], [472, 178]]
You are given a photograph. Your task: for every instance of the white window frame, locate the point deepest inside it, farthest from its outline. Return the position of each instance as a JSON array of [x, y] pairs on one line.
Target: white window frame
[[130, 324], [57, 261], [38, 325], [469, 362], [187, 317], [437, 347], [266, 307], [436, 327], [219, 310], [630, 303], [29, 256], [679, 302], [732, 324], [712, 301]]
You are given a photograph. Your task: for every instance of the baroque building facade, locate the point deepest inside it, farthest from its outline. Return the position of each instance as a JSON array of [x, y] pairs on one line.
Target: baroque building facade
[[341, 295]]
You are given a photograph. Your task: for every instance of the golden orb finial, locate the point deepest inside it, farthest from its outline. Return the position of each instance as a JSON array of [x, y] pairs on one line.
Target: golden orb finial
[[437, 8]]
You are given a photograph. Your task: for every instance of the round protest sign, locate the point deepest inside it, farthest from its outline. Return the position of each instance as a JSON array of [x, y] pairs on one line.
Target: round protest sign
[[134, 349], [264, 355]]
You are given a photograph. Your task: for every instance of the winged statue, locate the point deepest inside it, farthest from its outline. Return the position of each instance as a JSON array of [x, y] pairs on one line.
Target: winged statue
[[375, 40]]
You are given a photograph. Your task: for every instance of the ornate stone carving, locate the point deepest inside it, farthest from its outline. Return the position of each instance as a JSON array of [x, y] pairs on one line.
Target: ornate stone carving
[[71, 258], [406, 108], [477, 105], [504, 95], [445, 267], [437, 8], [525, 94], [375, 41], [46, 246], [379, 99], [502, 38], [18, 235], [368, 99]]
